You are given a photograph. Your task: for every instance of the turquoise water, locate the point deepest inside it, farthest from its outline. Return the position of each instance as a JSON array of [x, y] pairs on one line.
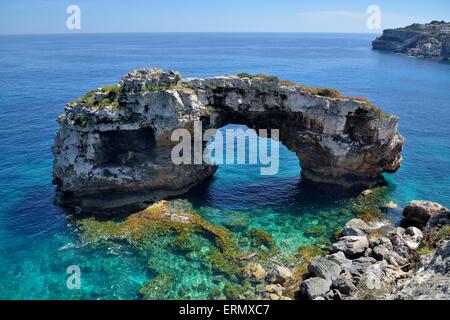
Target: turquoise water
[[39, 74]]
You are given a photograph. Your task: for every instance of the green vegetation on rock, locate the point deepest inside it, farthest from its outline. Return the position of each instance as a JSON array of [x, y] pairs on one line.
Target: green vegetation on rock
[[174, 226], [315, 231], [372, 107], [156, 288], [325, 92], [245, 75], [259, 75], [110, 97], [368, 207], [260, 238], [81, 121], [435, 236]]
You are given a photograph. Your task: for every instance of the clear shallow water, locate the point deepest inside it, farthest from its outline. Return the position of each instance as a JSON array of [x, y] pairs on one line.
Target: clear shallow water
[[39, 74]]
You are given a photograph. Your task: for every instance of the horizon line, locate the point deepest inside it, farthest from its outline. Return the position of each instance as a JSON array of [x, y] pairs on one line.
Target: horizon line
[[184, 32]]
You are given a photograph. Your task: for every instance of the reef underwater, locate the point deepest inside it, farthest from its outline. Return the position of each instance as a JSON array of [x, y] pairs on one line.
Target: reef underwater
[[191, 258]]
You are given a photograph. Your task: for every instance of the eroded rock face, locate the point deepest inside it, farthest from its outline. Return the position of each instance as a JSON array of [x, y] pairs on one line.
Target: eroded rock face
[[112, 151], [431, 40]]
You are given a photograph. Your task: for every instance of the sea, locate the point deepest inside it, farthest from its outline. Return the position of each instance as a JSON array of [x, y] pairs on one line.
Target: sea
[[39, 74]]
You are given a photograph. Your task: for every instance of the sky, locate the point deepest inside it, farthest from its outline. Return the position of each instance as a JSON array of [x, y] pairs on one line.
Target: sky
[[101, 16]]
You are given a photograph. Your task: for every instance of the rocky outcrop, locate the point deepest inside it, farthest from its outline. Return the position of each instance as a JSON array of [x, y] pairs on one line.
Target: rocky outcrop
[[419, 212], [390, 262], [430, 40], [431, 281], [112, 151]]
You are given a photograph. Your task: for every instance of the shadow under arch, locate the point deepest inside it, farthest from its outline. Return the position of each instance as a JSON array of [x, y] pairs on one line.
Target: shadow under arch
[[242, 187]]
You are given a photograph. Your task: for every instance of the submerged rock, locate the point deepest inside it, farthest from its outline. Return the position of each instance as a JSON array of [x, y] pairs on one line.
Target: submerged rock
[[282, 275], [113, 148], [255, 272]]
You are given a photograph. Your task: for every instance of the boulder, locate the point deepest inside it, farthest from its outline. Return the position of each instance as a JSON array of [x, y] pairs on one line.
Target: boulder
[[403, 250], [391, 205], [340, 259], [344, 283], [400, 231], [351, 245], [386, 242], [355, 227], [255, 272], [333, 295], [380, 252], [274, 289], [281, 275], [372, 277], [396, 239], [315, 287], [415, 233], [439, 219], [411, 244], [380, 240], [420, 211], [272, 296], [395, 259], [360, 266], [325, 269]]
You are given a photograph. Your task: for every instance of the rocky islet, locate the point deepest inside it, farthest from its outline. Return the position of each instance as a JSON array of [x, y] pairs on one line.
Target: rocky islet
[[112, 153]]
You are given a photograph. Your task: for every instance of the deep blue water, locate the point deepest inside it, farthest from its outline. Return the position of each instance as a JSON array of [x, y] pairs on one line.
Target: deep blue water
[[39, 74]]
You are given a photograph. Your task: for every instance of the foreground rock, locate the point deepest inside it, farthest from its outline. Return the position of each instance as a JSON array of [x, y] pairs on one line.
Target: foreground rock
[[113, 149], [315, 287], [432, 279], [431, 40], [381, 261], [355, 227], [420, 212], [351, 245]]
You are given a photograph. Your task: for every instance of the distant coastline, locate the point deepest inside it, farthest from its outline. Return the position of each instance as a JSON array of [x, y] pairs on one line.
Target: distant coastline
[[431, 40]]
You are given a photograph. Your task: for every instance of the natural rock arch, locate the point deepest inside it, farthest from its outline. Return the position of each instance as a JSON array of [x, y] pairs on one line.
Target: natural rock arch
[[112, 151]]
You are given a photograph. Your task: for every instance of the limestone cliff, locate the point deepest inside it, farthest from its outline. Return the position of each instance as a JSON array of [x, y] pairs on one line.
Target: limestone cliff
[[112, 151], [430, 40]]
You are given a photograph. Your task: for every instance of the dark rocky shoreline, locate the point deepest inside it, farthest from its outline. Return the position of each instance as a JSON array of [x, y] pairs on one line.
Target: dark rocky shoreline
[[431, 40]]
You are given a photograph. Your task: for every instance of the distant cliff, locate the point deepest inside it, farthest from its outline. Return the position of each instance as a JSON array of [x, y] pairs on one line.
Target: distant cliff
[[431, 40]]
